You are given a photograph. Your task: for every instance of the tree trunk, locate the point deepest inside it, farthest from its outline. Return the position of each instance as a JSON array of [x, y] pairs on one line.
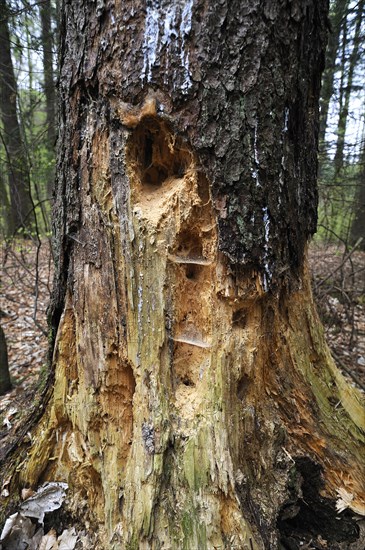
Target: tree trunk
[[358, 226], [5, 212], [338, 14], [5, 383], [49, 85], [345, 91], [17, 166], [195, 403]]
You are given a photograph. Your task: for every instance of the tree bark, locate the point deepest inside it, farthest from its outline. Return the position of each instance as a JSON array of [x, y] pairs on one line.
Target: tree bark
[[5, 383], [195, 402], [17, 167]]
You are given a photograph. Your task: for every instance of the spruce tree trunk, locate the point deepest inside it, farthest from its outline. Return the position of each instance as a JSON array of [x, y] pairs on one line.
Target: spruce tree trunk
[[195, 403]]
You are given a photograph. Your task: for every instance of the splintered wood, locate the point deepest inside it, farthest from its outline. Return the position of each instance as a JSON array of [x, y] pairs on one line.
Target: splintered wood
[[180, 382]]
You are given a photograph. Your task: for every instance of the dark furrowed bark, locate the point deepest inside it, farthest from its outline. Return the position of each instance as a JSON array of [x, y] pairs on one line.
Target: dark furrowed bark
[[242, 84]]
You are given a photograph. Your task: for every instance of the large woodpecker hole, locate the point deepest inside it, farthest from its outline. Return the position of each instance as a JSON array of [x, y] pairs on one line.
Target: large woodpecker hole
[[189, 246], [192, 271], [156, 154]]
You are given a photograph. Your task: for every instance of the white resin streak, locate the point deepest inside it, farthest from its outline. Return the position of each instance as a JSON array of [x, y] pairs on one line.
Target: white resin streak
[[161, 30], [169, 25], [286, 120], [151, 34], [267, 275], [255, 171], [283, 160], [185, 28]]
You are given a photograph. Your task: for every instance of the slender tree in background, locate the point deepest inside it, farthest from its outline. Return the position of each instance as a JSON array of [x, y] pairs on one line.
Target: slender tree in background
[[192, 400], [347, 86], [15, 155], [358, 224], [49, 86], [28, 45], [338, 14], [5, 383], [5, 213], [340, 171]]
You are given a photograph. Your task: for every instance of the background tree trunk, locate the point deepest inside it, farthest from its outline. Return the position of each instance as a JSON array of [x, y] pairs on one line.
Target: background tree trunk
[[49, 85], [345, 91], [17, 166], [195, 402], [338, 15], [5, 383], [5, 214], [358, 226]]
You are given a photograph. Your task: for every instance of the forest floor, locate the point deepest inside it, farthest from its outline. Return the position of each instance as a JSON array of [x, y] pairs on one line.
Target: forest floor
[[26, 280]]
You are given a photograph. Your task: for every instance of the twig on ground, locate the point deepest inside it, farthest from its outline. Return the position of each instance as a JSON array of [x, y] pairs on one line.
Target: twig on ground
[[347, 257]]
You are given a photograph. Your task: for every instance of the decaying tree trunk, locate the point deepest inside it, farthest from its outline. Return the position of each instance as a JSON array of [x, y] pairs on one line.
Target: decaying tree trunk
[[195, 403]]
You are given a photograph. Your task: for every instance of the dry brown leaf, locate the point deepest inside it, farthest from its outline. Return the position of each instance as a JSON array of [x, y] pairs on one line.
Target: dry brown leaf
[[26, 493], [49, 541]]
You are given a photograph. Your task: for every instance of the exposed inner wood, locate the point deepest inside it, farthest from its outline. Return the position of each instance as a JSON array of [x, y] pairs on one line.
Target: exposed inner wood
[[184, 392]]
